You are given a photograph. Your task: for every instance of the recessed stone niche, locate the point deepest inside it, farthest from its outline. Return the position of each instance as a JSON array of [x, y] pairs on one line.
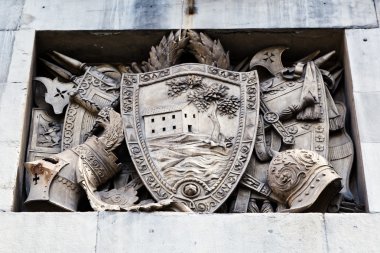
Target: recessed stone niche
[[125, 47]]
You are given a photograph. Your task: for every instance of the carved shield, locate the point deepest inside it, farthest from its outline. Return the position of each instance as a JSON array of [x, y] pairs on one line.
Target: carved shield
[[190, 131]]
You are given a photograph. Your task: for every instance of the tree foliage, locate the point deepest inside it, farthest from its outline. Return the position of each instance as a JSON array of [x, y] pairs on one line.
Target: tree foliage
[[203, 95]]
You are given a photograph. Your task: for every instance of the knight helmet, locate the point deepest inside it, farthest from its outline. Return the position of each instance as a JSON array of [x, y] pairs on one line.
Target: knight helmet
[[303, 180]]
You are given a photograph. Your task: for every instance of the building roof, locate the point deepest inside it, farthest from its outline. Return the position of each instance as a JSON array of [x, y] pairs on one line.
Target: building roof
[[164, 109]]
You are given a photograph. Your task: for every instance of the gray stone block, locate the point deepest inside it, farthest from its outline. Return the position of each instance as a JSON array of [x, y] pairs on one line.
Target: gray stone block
[[15, 101], [180, 232], [371, 161], [48, 232], [7, 200], [6, 46], [352, 232], [363, 58], [21, 66], [285, 14], [367, 107], [210, 14], [377, 4], [14, 112], [10, 14]]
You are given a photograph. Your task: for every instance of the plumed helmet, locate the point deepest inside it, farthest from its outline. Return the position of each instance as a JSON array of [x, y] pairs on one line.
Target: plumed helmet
[[303, 180]]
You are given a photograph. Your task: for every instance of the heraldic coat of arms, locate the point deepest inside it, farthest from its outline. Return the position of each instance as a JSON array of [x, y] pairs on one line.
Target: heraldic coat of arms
[[188, 131]]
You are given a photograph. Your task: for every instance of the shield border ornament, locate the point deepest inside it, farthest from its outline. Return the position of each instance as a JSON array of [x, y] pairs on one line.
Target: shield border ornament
[[242, 150]]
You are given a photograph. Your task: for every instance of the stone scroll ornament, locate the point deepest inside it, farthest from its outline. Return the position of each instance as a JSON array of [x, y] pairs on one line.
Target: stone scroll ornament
[[204, 136]]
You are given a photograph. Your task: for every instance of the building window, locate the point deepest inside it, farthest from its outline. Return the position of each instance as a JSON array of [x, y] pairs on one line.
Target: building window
[[153, 131], [194, 116], [164, 129], [152, 120], [190, 128], [173, 116], [174, 127], [185, 115], [163, 118]]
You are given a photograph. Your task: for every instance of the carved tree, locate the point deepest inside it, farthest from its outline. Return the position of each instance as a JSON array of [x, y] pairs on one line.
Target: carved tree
[[213, 97]]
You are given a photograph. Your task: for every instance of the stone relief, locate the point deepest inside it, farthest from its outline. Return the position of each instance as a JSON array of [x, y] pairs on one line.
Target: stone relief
[[207, 136], [192, 141]]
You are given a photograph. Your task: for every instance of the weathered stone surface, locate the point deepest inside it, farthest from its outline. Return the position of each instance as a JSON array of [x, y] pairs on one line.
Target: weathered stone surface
[[7, 198], [352, 232], [377, 4], [178, 232], [9, 163], [13, 108], [367, 107], [10, 14], [117, 14], [6, 46], [363, 58], [283, 14], [371, 161], [48, 232], [20, 69], [362, 65]]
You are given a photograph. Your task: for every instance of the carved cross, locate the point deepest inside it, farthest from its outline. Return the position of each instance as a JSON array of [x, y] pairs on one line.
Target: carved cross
[[36, 178], [269, 57], [60, 93]]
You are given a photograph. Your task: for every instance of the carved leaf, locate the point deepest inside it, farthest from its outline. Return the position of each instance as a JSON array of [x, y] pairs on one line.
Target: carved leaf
[[113, 130], [207, 51], [168, 52], [124, 197]]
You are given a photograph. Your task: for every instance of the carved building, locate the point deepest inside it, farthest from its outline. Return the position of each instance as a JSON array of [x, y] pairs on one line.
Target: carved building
[[170, 120], [279, 117]]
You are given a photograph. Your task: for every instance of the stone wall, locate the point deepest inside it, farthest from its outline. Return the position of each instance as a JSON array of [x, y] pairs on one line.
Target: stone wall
[[173, 232]]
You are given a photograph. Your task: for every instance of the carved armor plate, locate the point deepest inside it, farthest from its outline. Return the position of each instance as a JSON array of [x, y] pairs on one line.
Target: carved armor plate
[[283, 101], [190, 130], [94, 92]]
